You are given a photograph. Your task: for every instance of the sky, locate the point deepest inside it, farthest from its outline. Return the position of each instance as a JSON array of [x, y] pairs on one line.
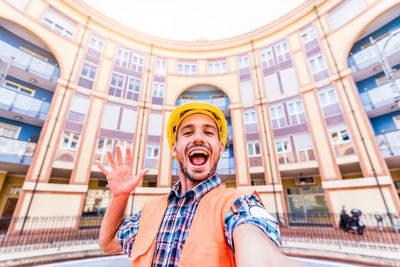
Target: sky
[[190, 20]]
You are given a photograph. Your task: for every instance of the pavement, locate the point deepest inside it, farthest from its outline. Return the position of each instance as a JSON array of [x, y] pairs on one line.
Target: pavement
[[122, 261], [306, 252]]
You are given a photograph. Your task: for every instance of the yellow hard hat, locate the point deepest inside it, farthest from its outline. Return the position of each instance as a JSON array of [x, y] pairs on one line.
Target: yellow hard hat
[[181, 112]]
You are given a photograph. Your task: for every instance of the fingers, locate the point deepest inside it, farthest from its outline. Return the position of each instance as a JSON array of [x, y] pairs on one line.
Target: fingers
[[111, 159], [128, 157], [139, 177], [101, 167], [118, 153]]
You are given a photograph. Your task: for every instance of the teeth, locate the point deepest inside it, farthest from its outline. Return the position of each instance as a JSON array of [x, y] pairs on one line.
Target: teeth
[[198, 152]]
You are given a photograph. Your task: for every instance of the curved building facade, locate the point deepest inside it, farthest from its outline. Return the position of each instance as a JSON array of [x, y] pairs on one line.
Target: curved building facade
[[311, 99]]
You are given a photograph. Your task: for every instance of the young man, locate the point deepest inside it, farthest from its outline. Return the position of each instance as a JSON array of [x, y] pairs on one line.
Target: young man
[[199, 223]]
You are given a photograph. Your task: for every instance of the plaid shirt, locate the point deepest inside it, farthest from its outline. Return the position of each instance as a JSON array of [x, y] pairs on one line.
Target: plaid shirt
[[178, 218]]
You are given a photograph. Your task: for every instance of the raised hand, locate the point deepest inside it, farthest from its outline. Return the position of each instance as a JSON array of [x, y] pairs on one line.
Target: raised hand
[[120, 179]]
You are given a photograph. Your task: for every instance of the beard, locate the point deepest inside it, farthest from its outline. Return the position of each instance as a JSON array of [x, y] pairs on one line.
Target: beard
[[192, 177]]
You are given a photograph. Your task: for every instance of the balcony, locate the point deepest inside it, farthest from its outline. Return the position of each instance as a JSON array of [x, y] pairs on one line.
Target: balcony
[[380, 98], [389, 143], [24, 104], [16, 151], [221, 103], [369, 56], [29, 63]]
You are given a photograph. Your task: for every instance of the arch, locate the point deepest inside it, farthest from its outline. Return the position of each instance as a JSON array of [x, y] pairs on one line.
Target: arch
[[57, 56], [351, 42], [180, 91]]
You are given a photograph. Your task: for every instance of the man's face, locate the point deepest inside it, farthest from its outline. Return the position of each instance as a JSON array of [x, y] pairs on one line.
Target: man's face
[[197, 147]]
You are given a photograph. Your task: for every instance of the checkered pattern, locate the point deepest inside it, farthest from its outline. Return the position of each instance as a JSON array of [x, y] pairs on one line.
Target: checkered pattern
[[179, 215]]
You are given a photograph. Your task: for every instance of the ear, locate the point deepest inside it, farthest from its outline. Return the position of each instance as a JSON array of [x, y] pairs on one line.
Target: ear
[[173, 150], [221, 151]]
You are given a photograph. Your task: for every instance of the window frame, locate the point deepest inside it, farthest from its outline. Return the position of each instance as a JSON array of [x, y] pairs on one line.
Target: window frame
[[264, 54], [250, 118], [217, 67], [19, 88], [276, 107], [90, 66], [70, 135], [243, 61], [296, 112], [253, 146], [319, 68], [158, 87], [120, 55], [329, 100], [153, 148], [97, 43], [310, 35], [11, 127], [185, 66]]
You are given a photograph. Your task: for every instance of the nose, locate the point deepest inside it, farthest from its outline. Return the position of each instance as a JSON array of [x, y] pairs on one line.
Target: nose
[[197, 137]]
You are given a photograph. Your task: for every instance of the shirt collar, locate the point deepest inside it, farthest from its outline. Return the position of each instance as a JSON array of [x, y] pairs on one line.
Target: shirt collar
[[198, 191]]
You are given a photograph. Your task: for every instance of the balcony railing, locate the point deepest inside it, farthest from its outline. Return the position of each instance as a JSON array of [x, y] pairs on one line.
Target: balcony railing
[[17, 148], [63, 231], [222, 103], [29, 63], [381, 96], [368, 55], [389, 143], [23, 104]]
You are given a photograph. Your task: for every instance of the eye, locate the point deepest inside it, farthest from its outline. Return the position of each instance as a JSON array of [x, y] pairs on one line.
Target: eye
[[187, 133], [209, 133]]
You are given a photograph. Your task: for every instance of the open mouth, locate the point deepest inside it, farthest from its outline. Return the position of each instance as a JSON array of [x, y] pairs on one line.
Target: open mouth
[[198, 157]]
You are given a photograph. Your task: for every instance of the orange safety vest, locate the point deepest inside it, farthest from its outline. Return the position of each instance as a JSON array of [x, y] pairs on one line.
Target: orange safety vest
[[205, 244]]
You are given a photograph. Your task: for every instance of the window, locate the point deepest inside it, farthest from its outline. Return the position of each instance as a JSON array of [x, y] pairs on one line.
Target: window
[[250, 117], [96, 44], [161, 67], [155, 124], [282, 51], [277, 117], [117, 84], [397, 121], [253, 149], [296, 112], [304, 147], [105, 144], [341, 140], [9, 130], [89, 71], [152, 151], [70, 140], [328, 97], [134, 85], [283, 151], [137, 63], [187, 68], [317, 64], [20, 88], [243, 61], [308, 35], [59, 23], [78, 109], [217, 67], [158, 89], [267, 57], [122, 58]]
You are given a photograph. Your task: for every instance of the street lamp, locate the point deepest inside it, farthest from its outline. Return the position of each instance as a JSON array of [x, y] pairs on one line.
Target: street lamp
[[387, 69]]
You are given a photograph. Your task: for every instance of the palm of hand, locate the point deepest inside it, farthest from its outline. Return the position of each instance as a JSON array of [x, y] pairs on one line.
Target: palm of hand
[[120, 179]]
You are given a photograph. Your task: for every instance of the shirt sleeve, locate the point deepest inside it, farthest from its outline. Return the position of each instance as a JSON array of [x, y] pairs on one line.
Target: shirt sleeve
[[128, 231], [249, 209]]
